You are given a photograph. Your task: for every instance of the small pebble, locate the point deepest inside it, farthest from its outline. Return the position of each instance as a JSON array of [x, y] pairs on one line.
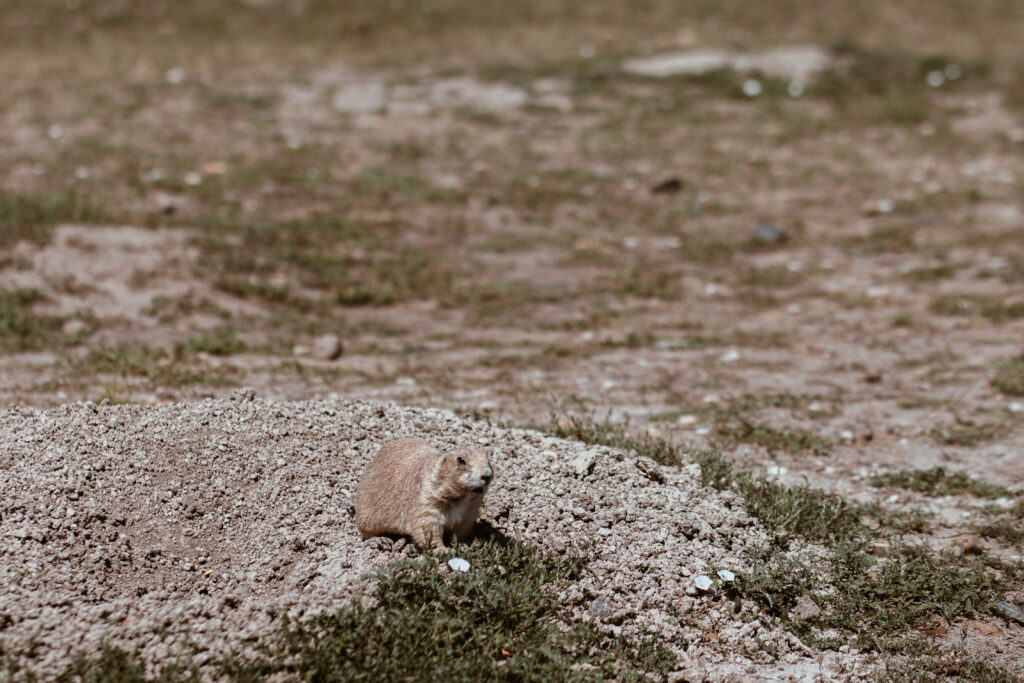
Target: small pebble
[[669, 185], [935, 79], [327, 347], [458, 564], [768, 234], [175, 75], [599, 608]]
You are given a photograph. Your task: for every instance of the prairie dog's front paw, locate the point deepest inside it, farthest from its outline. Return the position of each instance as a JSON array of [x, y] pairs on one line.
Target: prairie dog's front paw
[[382, 543]]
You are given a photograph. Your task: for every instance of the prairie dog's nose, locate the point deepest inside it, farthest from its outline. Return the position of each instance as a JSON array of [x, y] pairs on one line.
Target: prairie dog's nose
[[486, 476]]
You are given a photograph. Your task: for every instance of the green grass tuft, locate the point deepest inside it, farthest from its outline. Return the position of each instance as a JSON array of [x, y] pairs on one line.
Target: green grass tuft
[[1010, 377], [222, 343], [875, 606], [114, 665], [20, 329], [946, 666], [499, 621], [799, 510], [587, 430], [940, 482], [29, 217], [775, 439], [993, 308]]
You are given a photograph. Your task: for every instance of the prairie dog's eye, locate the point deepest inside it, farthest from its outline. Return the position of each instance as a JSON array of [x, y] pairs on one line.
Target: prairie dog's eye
[[460, 460]]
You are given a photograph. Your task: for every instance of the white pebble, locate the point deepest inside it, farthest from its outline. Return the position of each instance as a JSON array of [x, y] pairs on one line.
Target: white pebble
[[935, 79], [1016, 407], [458, 564], [175, 75], [752, 87]]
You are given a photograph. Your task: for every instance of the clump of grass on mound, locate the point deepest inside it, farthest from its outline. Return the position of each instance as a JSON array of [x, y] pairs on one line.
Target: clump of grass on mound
[[939, 482], [114, 665], [792, 510], [884, 606], [499, 621], [587, 430]]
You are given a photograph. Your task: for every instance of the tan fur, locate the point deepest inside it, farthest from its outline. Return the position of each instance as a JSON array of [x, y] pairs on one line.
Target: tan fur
[[412, 489]]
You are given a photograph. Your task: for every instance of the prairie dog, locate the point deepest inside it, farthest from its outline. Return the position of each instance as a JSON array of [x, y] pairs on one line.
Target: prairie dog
[[413, 489]]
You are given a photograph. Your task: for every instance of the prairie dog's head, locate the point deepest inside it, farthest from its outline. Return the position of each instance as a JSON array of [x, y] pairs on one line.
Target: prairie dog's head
[[468, 470]]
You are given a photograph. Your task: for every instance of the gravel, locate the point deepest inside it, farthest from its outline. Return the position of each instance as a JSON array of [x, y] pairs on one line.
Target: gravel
[[188, 528]]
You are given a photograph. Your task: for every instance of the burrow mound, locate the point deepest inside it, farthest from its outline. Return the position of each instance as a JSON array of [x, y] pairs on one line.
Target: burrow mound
[[189, 528]]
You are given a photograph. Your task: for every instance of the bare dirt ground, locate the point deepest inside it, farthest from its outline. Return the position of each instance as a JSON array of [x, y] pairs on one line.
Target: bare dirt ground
[[808, 259]]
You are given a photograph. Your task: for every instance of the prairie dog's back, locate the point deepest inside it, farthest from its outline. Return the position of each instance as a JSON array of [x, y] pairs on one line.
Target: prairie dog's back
[[390, 491]]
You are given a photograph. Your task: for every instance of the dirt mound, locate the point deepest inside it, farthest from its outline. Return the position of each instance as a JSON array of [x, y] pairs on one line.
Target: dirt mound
[[188, 528]]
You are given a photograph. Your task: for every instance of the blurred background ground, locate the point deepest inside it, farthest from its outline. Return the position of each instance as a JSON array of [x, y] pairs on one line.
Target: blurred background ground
[[794, 230]]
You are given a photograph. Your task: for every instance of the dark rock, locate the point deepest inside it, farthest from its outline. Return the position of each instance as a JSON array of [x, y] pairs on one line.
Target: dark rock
[[651, 469], [1008, 611], [766, 233], [669, 185]]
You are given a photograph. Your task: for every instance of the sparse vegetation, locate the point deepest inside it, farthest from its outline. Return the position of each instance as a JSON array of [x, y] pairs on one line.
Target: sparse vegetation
[[222, 343], [994, 309], [20, 329], [966, 433], [29, 216], [1009, 377], [500, 621], [775, 439], [595, 239], [938, 481]]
